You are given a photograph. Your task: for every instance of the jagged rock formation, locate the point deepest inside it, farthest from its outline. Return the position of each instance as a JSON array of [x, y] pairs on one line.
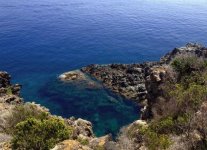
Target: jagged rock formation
[[125, 79]]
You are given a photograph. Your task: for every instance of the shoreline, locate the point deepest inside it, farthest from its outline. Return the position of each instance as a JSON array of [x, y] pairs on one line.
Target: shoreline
[[141, 83]]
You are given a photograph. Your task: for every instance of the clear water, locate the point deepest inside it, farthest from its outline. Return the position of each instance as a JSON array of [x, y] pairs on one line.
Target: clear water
[[41, 39]]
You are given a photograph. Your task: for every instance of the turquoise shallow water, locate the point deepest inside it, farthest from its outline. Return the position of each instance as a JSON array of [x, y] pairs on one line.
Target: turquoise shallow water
[[41, 39]]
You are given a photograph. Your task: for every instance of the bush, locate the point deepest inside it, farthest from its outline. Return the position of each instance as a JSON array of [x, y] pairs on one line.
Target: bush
[[83, 141], [164, 125], [132, 132], [185, 95], [185, 65], [23, 112], [182, 95], [154, 140], [37, 134], [189, 99], [9, 91]]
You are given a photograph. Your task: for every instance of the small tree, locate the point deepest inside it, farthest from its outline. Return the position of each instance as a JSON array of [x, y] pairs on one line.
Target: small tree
[[37, 134]]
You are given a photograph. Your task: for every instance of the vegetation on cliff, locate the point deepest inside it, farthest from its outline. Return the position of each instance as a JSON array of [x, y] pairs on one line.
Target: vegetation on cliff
[[42, 134], [182, 94]]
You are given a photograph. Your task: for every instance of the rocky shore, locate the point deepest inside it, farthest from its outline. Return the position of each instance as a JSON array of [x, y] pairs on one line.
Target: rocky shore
[[163, 124]]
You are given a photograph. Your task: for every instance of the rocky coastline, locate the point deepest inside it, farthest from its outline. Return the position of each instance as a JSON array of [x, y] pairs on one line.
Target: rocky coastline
[[144, 84], [141, 83]]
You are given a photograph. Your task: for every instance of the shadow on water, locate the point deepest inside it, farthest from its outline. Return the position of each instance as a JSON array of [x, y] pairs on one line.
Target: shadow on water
[[107, 111]]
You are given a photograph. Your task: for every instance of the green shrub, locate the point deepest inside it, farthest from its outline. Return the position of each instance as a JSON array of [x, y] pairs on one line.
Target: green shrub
[[189, 98], [23, 112], [153, 140], [37, 134], [132, 131], [83, 141], [185, 65], [9, 91], [181, 97], [164, 125]]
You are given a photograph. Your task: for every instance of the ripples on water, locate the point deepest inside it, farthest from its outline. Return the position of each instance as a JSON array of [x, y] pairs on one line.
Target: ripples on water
[[41, 39]]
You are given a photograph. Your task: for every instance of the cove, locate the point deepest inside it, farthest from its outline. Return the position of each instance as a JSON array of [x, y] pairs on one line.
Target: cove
[[107, 111]]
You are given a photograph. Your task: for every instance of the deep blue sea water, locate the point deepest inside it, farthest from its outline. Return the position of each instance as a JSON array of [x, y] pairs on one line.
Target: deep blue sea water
[[39, 39]]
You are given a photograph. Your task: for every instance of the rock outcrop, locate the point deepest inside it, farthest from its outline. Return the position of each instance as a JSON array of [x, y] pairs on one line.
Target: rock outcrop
[[125, 79], [140, 82], [190, 48]]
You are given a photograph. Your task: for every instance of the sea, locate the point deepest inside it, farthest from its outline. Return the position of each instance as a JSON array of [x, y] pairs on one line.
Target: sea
[[40, 39]]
